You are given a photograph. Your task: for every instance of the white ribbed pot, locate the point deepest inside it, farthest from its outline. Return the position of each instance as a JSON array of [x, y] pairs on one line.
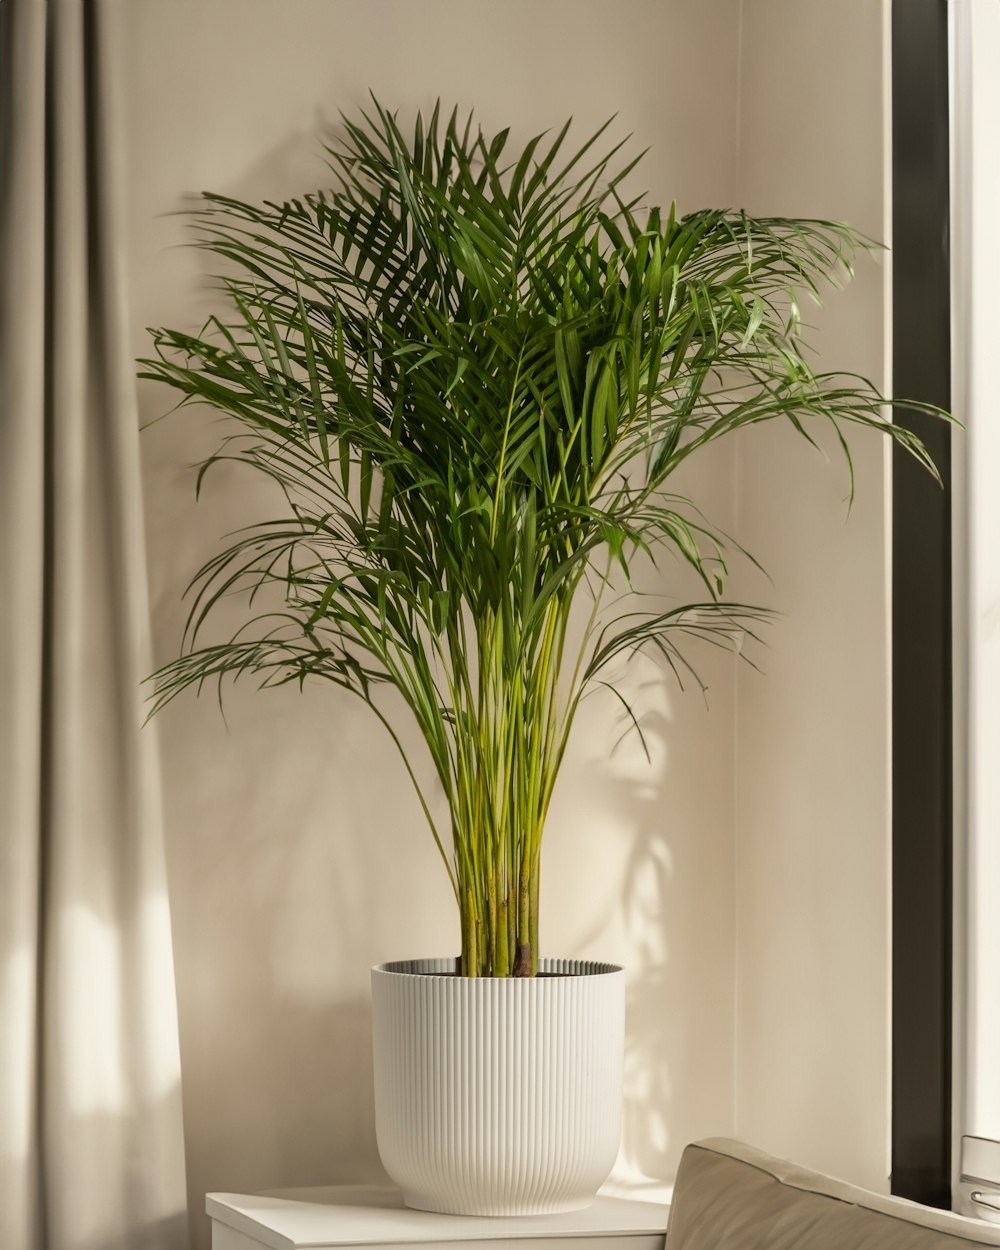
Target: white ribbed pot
[[498, 1096]]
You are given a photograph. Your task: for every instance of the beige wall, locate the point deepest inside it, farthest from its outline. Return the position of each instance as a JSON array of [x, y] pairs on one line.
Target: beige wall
[[297, 855], [813, 728]]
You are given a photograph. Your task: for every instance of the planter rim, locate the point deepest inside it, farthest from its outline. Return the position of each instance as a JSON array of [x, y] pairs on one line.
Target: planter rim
[[436, 968]]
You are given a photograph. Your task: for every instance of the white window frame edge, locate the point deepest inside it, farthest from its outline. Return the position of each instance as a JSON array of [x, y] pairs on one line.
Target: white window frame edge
[[975, 185]]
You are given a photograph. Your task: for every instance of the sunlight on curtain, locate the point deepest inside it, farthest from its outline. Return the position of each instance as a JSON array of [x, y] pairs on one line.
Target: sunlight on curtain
[[94, 1073], [158, 1010], [17, 998]]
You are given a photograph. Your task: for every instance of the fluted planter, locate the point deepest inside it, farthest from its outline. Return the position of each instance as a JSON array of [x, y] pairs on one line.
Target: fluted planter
[[498, 1096]]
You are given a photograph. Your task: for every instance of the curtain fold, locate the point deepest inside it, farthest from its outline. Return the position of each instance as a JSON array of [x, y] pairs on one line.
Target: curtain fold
[[91, 1144]]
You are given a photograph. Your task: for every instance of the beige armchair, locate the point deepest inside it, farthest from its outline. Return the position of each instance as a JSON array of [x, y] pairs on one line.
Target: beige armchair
[[729, 1196]]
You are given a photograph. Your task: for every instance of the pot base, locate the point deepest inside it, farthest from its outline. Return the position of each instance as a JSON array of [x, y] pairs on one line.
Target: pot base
[[548, 1208]]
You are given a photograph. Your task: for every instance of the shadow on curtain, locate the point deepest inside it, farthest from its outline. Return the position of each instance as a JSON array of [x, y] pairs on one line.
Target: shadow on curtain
[[91, 1145]]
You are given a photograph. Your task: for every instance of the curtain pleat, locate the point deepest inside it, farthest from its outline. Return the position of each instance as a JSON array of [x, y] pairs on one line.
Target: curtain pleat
[[91, 1144]]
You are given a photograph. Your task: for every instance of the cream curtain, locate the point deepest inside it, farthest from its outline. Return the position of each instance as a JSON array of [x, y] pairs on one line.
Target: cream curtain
[[91, 1149]]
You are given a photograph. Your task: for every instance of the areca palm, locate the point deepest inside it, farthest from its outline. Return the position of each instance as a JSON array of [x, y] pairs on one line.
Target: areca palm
[[472, 377]]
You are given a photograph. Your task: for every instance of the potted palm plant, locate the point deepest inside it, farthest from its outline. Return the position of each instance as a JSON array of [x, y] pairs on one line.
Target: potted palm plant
[[472, 375]]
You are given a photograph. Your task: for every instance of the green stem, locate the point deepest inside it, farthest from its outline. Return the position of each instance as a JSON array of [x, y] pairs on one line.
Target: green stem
[[491, 905], [501, 962], [533, 913], [511, 906], [523, 961], [470, 946]]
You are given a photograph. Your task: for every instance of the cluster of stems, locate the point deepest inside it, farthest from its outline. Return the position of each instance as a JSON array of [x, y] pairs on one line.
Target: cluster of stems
[[508, 748]]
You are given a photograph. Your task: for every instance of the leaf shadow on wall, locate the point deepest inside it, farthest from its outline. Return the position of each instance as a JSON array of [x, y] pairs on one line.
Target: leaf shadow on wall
[[655, 841]]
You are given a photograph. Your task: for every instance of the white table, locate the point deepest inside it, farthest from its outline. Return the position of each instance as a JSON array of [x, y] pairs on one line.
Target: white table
[[366, 1215]]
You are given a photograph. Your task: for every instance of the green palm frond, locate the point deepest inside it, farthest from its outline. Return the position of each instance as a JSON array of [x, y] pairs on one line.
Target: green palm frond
[[471, 376]]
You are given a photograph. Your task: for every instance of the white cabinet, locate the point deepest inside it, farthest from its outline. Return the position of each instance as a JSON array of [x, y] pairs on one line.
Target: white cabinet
[[365, 1215]]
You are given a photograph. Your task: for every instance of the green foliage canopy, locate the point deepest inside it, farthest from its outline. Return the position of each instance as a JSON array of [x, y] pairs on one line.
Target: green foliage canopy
[[472, 375]]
